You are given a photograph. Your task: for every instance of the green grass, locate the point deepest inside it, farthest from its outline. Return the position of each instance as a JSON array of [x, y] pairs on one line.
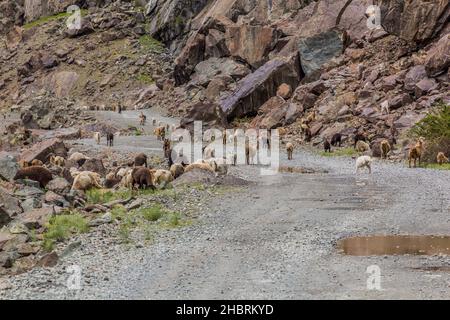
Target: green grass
[[145, 78], [63, 227], [99, 196], [153, 213], [46, 19], [150, 44], [344, 152], [445, 166]]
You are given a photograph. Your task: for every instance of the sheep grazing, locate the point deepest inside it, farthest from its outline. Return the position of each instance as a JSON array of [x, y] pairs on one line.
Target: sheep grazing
[[362, 146], [327, 146], [35, 173], [97, 137], [290, 150], [201, 166], [219, 165], [416, 152], [57, 161], [86, 180], [336, 139], [441, 158], [111, 180], [359, 137], [160, 132], [142, 119], [364, 162], [109, 139], [177, 170], [141, 160], [250, 153], [78, 157], [37, 162], [385, 148], [161, 178], [23, 164], [143, 177]]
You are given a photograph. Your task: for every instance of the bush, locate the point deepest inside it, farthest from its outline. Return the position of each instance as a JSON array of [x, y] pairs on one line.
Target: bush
[[435, 128], [153, 213], [63, 227]]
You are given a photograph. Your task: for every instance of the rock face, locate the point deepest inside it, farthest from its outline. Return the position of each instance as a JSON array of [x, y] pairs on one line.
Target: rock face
[[210, 114], [42, 150], [258, 87], [317, 50], [438, 59], [8, 166], [414, 20]]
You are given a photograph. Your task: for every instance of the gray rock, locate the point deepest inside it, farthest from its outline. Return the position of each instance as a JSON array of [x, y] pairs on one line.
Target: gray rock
[[8, 166], [59, 185]]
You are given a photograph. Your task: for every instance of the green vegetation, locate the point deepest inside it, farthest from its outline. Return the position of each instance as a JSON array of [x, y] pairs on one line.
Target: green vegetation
[[99, 196], [62, 227], [445, 166], [150, 44], [46, 19], [435, 128], [153, 213], [145, 78], [344, 152]]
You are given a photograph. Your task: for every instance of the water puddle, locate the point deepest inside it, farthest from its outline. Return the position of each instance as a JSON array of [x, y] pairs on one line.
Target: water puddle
[[395, 245], [301, 170]]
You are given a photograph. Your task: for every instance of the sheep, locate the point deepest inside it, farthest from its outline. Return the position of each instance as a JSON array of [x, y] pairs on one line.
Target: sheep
[[97, 137], [209, 153], [57, 161], [78, 157], [143, 177], [416, 152], [219, 165], [359, 137], [35, 173], [201, 166], [86, 180], [364, 161], [336, 139], [37, 162], [160, 132], [141, 160], [167, 149], [362, 146], [142, 119], [385, 148], [290, 150], [162, 177], [327, 146], [111, 180], [177, 170], [250, 153], [23, 164], [441, 158], [126, 177], [109, 139], [282, 131]]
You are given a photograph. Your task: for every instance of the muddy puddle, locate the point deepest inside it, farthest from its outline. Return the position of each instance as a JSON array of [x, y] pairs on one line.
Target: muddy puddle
[[395, 245], [300, 170]]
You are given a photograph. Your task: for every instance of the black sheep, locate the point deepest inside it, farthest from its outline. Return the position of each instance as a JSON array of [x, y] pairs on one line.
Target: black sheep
[[327, 146], [336, 139], [359, 137], [140, 160], [109, 139]]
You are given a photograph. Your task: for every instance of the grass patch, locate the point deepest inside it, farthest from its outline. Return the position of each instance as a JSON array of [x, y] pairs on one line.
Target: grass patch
[[47, 19], [344, 152], [445, 166], [145, 78], [153, 213], [150, 44], [63, 227], [99, 196]]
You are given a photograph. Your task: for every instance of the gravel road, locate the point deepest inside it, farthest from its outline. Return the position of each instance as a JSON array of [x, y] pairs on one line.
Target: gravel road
[[274, 239]]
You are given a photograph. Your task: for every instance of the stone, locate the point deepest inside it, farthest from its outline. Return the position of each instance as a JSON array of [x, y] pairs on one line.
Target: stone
[[37, 218], [317, 50], [191, 55], [5, 236], [8, 166], [206, 70], [271, 114], [26, 249], [424, 86], [293, 112], [61, 83], [258, 87], [5, 216], [399, 101], [414, 75], [284, 91], [106, 218], [10, 203], [215, 44], [42, 150], [55, 199], [94, 165], [49, 260], [59, 185], [413, 20], [408, 120], [5, 260], [210, 114], [12, 244], [437, 60]]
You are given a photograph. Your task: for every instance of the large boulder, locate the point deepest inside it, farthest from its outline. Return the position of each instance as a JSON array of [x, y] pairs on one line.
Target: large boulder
[[438, 58], [94, 165], [62, 83], [10, 203], [317, 50], [414, 76], [271, 114], [414, 20], [8, 166], [215, 44], [192, 54], [210, 114], [34, 9], [42, 150], [59, 185], [258, 87], [206, 70]]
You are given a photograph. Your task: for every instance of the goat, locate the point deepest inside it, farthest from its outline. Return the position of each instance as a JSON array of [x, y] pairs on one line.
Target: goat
[[416, 152], [250, 153], [161, 178], [290, 150], [176, 170], [160, 132], [85, 180], [336, 139], [385, 148], [362, 146], [359, 137], [37, 162], [143, 177], [97, 137], [57, 161], [141, 160], [142, 119], [441, 158], [364, 161], [201, 166], [109, 139], [327, 146]]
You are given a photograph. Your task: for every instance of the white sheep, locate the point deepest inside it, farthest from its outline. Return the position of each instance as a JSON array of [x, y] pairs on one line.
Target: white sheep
[[161, 178], [364, 162], [85, 180]]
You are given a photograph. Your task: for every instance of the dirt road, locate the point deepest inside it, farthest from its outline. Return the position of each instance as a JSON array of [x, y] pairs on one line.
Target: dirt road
[[274, 239]]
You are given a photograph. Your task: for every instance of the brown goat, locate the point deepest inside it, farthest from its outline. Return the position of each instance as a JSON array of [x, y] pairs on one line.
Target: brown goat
[[140, 160], [35, 173], [416, 152], [290, 150], [143, 178], [385, 148], [441, 158]]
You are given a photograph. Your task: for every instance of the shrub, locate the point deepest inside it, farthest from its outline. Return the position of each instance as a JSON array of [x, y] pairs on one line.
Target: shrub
[[63, 227], [153, 213], [435, 128]]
